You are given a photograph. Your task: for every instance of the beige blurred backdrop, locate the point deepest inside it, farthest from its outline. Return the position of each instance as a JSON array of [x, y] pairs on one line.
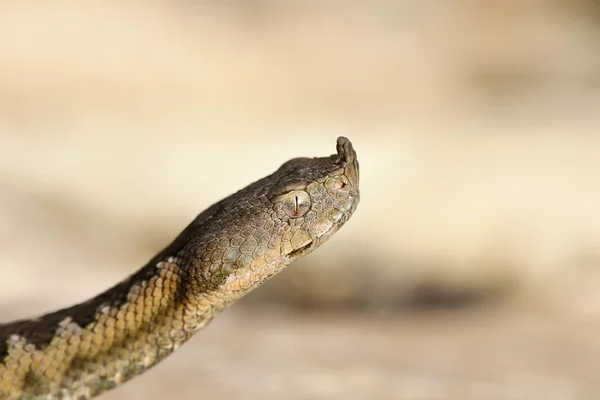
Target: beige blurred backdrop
[[471, 269]]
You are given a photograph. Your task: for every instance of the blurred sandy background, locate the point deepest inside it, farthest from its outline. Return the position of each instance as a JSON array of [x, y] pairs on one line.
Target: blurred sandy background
[[471, 269]]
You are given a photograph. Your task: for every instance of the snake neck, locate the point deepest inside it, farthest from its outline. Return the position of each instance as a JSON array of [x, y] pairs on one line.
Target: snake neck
[[94, 346]]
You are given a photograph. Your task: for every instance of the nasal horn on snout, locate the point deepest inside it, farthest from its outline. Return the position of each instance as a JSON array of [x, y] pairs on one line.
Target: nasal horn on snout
[[345, 150]]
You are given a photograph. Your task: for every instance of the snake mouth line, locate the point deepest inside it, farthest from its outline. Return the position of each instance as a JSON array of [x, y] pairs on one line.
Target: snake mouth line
[[300, 250]]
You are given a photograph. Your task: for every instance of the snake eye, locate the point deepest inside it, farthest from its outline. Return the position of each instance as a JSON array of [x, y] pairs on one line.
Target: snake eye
[[295, 203]]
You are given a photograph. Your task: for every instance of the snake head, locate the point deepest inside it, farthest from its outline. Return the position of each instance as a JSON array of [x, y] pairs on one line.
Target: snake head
[[257, 231], [315, 197]]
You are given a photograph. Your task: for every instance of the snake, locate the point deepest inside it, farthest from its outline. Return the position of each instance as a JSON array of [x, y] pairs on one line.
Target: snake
[[228, 250]]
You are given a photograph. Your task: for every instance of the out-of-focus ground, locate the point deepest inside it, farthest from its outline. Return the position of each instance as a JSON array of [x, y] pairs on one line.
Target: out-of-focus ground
[[471, 268]]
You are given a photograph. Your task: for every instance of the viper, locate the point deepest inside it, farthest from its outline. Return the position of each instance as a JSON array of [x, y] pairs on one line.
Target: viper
[[224, 253]]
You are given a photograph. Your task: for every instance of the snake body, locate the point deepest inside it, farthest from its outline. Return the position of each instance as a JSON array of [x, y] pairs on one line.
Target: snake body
[[228, 250]]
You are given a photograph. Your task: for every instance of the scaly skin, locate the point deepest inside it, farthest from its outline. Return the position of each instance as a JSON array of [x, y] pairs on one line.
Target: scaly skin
[[228, 250]]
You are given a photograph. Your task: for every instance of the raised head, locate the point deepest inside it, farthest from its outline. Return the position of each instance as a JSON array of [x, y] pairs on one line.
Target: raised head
[[271, 222]]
